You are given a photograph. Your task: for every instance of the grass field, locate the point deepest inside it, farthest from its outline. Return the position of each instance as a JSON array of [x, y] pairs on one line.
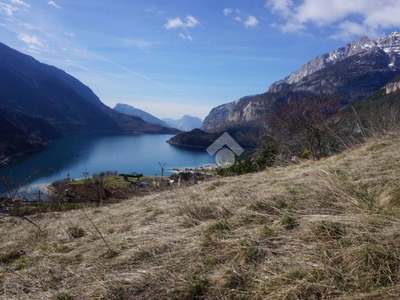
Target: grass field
[[327, 229]]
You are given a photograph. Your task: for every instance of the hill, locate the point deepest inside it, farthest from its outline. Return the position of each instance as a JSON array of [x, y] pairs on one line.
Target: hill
[[20, 132], [46, 93], [132, 111], [186, 123], [325, 229]]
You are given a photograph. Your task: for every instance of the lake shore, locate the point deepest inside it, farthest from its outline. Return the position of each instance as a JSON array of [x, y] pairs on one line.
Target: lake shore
[[46, 187], [202, 168], [76, 154], [6, 159]]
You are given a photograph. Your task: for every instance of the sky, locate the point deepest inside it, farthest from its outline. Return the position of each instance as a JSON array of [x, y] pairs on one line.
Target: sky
[[178, 57]]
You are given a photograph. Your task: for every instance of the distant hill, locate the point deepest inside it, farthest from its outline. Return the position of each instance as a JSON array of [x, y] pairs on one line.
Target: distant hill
[[186, 123], [132, 111], [33, 94]]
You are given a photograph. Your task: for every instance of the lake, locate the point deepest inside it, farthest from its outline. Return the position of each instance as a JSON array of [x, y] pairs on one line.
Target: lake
[[75, 154]]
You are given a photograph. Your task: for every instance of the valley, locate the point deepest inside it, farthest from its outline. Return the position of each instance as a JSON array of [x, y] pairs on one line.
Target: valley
[[317, 227], [40, 102], [308, 209]]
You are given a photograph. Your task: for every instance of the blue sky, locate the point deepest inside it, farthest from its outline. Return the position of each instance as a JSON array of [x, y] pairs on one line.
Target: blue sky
[[179, 57]]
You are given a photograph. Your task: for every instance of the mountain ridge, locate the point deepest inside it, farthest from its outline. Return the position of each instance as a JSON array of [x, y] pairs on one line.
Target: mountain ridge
[[186, 123], [32, 91], [133, 111], [362, 44], [349, 73]]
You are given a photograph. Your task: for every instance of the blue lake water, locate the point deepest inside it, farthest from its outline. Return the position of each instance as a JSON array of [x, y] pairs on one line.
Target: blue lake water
[[97, 152]]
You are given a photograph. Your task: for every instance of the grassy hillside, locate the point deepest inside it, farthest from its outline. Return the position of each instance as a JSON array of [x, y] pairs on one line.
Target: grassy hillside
[[316, 230]]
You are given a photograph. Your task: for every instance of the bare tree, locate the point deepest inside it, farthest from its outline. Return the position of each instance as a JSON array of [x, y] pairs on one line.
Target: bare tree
[[306, 121], [94, 188], [14, 196]]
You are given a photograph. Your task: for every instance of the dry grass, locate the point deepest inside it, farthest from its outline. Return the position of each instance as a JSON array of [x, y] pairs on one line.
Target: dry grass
[[317, 230]]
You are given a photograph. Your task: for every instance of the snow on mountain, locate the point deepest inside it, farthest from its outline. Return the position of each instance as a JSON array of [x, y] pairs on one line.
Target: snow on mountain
[[352, 72], [390, 45]]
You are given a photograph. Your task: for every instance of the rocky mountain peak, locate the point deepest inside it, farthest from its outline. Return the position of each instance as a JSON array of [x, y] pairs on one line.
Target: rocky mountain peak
[[362, 44], [390, 45]]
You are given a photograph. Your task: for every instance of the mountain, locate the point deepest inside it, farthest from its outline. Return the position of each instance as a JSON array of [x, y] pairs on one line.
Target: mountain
[[21, 132], [390, 45], [349, 73], [33, 94], [186, 123], [241, 111], [132, 111]]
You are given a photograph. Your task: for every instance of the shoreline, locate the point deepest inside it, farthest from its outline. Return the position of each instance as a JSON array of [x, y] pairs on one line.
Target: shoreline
[[6, 159], [205, 167], [185, 145]]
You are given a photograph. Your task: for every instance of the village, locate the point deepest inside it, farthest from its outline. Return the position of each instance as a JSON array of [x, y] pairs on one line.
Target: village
[[102, 188], [109, 187]]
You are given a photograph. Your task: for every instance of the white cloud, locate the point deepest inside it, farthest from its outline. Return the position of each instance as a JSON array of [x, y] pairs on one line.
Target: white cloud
[[190, 22], [69, 33], [347, 18], [186, 36], [282, 7], [348, 29], [30, 40], [384, 17], [174, 23], [227, 11], [52, 3], [240, 16], [21, 3], [251, 22], [7, 9], [329, 11]]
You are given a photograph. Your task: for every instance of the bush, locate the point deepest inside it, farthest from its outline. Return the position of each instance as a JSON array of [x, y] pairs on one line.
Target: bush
[[63, 296], [305, 154], [264, 158], [289, 222], [76, 232]]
